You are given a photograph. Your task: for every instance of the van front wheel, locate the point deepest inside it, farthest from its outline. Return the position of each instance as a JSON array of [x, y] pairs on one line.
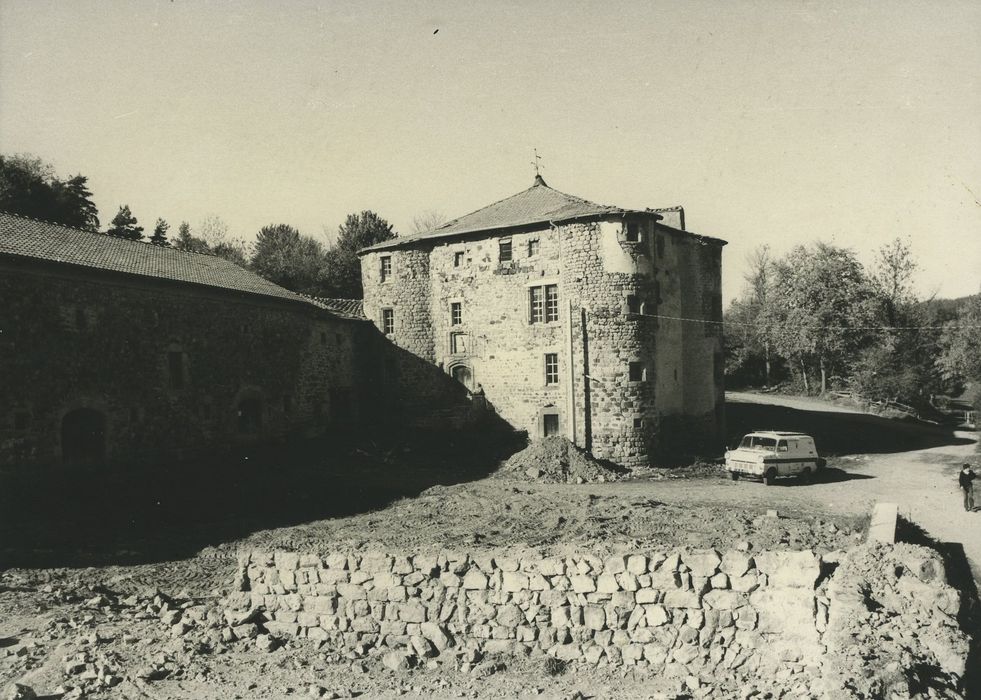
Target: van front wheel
[[769, 476], [805, 476], [734, 476]]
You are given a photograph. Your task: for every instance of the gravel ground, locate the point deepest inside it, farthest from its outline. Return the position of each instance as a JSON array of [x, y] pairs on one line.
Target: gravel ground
[[46, 616]]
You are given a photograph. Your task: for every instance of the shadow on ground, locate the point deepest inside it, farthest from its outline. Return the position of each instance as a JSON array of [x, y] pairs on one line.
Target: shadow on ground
[[828, 475], [143, 514], [837, 433], [960, 577]]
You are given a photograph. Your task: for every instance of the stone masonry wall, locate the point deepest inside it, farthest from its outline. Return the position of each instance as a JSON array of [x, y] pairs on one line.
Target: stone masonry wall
[[74, 340], [595, 267]]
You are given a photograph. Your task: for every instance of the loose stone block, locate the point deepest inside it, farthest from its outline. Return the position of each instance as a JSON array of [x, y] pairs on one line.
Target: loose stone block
[[637, 564], [615, 564], [682, 599], [736, 563], [412, 612], [287, 561], [607, 583], [594, 617], [582, 584], [655, 615], [790, 569], [475, 580], [724, 600], [537, 582], [551, 567], [647, 595], [513, 581], [703, 562]]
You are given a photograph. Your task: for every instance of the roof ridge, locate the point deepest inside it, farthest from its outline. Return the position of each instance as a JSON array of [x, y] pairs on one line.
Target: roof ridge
[[517, 194], [108, 235]]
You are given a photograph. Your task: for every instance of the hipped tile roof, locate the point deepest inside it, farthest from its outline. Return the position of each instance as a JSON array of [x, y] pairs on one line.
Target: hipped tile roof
[[538, 204], [41, 240]]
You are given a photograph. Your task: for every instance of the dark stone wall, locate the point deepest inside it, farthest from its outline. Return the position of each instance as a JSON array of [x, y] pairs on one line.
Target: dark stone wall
[[72, 339]]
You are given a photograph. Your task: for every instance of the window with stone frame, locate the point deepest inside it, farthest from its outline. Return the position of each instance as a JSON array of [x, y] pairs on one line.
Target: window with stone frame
[[458, 259], [458, 343], [504, 250], [551, 368], [533, 247], [637, 372], [388, 321], [386, 268], [543, 303], [456, 313]]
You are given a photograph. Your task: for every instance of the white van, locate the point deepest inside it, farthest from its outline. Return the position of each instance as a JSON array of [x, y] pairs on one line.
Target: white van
[[768, 454]]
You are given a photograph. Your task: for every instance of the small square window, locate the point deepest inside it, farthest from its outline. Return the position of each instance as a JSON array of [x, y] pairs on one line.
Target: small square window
[[458, 343], [386, 268], [633, 304], [637, 372], [638, 422], [632, 231], [551, 368], [388, 321], [505, 250], [456, 313], [458, 259], [532, 247]]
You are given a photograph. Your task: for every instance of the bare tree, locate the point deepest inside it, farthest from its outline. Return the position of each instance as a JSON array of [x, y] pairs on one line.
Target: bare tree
[[429, 220], [760, 280]]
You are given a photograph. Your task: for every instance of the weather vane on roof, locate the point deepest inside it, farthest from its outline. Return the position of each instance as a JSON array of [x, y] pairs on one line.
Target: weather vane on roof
[[536, 164]]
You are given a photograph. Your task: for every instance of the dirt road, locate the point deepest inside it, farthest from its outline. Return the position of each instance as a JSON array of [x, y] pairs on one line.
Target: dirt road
[[922, 481]]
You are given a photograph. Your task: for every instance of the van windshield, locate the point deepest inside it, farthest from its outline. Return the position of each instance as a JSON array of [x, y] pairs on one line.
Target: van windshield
[[756, 442]]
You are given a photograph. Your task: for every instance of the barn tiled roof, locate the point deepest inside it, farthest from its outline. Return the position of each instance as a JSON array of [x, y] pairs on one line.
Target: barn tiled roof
[[41, 240], [538, 204], [345, 308]]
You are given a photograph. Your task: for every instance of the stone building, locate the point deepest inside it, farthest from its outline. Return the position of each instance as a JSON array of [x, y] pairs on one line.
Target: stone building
[[563, 313], [113, 349]]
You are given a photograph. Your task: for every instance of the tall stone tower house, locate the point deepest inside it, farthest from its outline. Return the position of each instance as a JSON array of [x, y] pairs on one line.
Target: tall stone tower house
[[567, 315]]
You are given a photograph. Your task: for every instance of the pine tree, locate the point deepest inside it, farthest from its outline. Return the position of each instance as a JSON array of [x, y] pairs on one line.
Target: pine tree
[[124, 224], [159, 236]]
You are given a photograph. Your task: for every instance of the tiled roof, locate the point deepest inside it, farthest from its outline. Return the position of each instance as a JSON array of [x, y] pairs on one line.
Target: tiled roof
[[345, 308], [538, 204], [40, 240]]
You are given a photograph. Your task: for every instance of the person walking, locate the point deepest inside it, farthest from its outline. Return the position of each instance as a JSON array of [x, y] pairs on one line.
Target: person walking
[[966, 480]]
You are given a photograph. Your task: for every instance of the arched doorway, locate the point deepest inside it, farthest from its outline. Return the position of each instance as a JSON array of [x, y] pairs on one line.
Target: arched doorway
[[83, 437], [462, 374], [250, 416]]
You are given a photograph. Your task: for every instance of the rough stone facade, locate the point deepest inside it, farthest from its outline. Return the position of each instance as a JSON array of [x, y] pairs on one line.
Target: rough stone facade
[[612, 296], [164, 369], [719, 616]]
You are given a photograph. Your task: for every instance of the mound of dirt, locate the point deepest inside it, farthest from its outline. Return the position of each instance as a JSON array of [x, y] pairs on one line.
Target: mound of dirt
[[555, 460]]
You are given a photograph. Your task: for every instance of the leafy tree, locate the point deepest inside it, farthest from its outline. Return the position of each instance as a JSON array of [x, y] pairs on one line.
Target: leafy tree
[[159, 236], [960, 343], [187, 241], [893, 276], [29, 187], [285, 256], [823, 309], [341, 273], [233, 250], [125, 225]]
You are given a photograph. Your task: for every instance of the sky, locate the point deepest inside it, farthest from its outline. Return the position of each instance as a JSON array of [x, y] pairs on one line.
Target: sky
[[778, 123]]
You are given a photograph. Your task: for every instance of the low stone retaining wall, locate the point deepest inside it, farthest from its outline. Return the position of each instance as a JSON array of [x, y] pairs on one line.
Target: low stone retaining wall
[[676, 612]]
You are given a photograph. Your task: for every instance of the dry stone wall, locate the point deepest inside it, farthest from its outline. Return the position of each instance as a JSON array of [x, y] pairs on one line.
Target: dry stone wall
[[728, 617]]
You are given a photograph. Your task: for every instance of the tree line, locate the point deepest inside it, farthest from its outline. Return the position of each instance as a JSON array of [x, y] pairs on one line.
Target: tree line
[[816, 320], [280, 253]]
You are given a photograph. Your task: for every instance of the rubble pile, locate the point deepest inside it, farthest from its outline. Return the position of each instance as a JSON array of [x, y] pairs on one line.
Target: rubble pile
[[893, 627], [555, 460]]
